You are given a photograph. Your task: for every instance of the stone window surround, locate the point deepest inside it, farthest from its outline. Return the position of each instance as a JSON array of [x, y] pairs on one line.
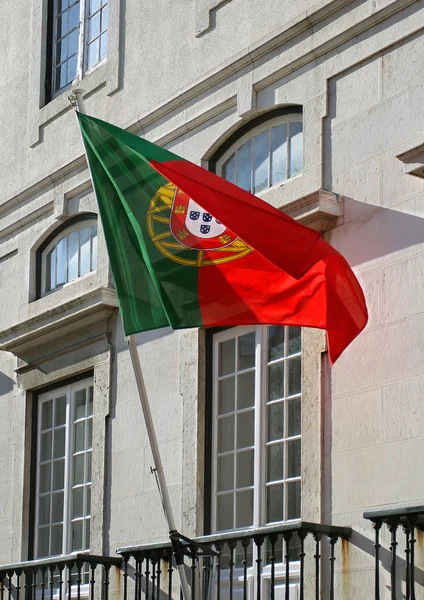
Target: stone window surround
[[105, 74]]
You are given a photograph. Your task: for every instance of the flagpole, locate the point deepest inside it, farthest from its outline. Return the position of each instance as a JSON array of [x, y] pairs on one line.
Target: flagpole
[[77, 99]]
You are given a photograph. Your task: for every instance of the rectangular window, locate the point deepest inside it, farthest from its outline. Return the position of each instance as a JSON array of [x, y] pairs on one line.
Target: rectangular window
[[63, 479], [77, 41], [256, 472]]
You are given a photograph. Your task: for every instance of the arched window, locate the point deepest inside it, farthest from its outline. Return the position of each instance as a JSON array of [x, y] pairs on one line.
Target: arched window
[[68, 254], [265, 152]]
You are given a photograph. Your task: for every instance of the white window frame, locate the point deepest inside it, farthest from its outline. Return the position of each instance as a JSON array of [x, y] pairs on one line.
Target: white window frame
[[64, 233], [69, 392], [266, 125], [83, 43], [259, 485]]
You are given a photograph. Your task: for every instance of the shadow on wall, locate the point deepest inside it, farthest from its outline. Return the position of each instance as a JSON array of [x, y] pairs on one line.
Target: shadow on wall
[[369, 232], [366, 545], [6, 384]]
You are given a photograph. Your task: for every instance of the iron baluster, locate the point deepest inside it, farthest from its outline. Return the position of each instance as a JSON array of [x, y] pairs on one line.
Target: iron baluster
[[153, 563], [79, 580], [60, 582], [93, 581], [287, 537], [51, 579], [259, 540], [393, 525], [273, 539], [407, 532], [146, 574], [302, 535], [18, 574], [9, 584], [412, 522], [245, 543], [169, 559], [231, 546], [193, 572], [332, 540], [106, 570], [317, 557], [43, 582], [377, 526], [218, 548], [2, 586]]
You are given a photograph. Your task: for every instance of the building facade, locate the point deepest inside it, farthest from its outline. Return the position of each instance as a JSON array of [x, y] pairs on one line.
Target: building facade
[[319, 110]]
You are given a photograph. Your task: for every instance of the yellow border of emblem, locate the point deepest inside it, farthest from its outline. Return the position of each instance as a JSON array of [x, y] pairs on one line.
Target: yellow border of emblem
[[159, 212]]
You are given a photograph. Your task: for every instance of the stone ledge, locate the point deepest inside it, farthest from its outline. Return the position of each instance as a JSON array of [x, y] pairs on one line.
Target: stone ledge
[[318, 210], [413, 161], [52, 326]]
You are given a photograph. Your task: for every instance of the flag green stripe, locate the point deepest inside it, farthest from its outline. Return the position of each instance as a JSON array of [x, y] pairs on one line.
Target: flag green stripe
[[152, 290]]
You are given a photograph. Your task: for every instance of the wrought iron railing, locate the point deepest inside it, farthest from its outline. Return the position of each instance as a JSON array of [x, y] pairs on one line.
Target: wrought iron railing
[[404, 526], [248, 564], [77, 576]]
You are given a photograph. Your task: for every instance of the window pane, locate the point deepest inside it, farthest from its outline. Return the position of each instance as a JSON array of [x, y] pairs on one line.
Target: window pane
[[295, 336], [225, 473], [58, 474], [105, 15], [79, 437], [93, 247], [225, 510], [60, 81], [72, 68], [61, 50], [275, 422], [226, 434], [85, 250], [293, 458], [94, 27], [62, 24], [45, 478], [60, 411], [88, 500], [244, 164], [44, 510], [261, 154], [275, 503], [61, 261], [275, 462], [226, 357], [73, 255], [229, 169], [276, 381], [103, 46], [244, 466], [245, 429], [293, 500], [294, 371], [46, 446], [88, 458], [56, 539], [294, 417], [226, 393], [246, 351], [59, 443], [94, 5], [74, 16], [46, 414], [43, 542], [73, 42], [51, 270], [62, 5], [76, 528], [79, 469], [90, 401], [244, 508], [93, 53], [246, 390], [296, 148], [275, 343], [78, 502], [89, 433], [278, 154], [80, 403], [57, 507], [87, 535]]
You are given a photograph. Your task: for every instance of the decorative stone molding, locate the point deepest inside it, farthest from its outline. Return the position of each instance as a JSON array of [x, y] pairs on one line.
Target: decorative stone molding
[[413, 161], [203, 14], [47, 329]]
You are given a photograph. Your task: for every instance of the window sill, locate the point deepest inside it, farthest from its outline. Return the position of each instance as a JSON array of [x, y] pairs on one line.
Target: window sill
[[413, 161], [51, 325], [318, 210]]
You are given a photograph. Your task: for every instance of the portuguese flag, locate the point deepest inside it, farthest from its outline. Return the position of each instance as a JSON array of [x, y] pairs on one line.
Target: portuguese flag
[[189, 249]]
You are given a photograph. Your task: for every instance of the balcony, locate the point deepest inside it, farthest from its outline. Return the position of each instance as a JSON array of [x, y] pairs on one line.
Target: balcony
[[249, 564], [396, 534]]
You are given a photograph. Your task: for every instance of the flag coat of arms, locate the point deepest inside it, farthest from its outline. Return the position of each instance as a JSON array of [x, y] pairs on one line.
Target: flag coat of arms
[[189, 249]]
